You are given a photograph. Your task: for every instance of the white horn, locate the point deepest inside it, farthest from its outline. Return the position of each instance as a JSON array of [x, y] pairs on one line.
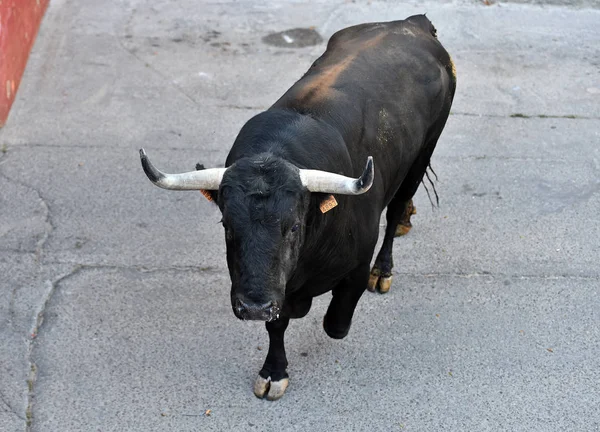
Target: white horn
[[326, 182], [208, 179]]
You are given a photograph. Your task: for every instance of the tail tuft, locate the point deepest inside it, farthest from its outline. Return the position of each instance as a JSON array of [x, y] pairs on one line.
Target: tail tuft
[[431, 182]]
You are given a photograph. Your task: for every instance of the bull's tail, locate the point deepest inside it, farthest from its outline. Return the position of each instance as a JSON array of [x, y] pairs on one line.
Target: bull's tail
[[423, 22], [431, 182]]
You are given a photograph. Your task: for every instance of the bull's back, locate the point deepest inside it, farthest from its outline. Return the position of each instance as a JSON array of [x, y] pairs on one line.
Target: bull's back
[[382, 86], [373, 59]]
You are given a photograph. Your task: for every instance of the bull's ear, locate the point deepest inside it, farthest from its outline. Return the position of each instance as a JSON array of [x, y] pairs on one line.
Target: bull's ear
[[211, 195], [327, 203]]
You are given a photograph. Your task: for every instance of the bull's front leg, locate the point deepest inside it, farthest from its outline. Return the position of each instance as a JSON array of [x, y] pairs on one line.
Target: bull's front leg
[[273, 379], [346, 294]]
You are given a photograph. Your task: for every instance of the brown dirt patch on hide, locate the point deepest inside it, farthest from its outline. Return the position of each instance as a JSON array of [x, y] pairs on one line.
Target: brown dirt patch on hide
[[320, 86]]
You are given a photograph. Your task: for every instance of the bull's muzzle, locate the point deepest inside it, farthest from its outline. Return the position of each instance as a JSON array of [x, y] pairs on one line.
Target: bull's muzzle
[[247, 310]]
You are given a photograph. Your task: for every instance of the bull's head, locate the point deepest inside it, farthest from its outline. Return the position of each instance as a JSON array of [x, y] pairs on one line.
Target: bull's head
[[264, 201]]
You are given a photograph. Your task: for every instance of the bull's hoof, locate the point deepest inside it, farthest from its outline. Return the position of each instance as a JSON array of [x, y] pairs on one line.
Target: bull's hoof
[[373, 279], [384, 284], [335, 331], [273, 390], [404, 226], [379, 282]]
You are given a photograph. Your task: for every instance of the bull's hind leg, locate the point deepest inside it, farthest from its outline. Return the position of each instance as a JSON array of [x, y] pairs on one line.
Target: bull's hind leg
[[400, 209], [398, 216], [345, 297]]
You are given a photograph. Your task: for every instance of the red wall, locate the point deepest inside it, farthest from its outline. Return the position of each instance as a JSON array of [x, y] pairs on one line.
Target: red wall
[[19, 22]]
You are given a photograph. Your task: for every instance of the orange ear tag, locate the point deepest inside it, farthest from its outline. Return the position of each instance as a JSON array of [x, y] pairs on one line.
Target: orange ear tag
[[328, 203], [206, 194]]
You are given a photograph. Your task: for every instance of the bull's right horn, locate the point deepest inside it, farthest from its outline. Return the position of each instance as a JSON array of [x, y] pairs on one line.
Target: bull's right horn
[[208, 179], [323, 181]]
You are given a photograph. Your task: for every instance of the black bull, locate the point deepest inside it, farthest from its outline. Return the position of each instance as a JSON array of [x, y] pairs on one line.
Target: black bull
[[382, 90]]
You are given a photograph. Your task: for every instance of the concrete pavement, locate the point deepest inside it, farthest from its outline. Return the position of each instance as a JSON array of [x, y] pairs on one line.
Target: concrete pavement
[[114, 294]]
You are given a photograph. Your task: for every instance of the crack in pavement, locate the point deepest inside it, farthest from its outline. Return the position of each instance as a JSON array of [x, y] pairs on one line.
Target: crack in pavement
[[40, 316], [49, 226], [102, 147], [16, 251], [140, 268], [37, 325], [502, 275], [37, 254], [502, 158], [526, 116], [241, 107]]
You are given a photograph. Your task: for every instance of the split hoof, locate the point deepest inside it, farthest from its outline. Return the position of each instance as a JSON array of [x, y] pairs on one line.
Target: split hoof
[[385, 284], [379, 282], [273, 390], [373, 279]]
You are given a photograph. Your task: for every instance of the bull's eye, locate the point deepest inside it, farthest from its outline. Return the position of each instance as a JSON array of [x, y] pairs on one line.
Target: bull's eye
[[228, 234], [295, 227]]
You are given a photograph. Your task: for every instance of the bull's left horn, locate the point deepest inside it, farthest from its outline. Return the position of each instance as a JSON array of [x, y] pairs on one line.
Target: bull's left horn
[[326, 182], [208, 179]]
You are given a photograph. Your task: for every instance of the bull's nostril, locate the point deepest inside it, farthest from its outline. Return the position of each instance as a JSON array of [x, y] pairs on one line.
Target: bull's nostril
[[239, 306], [267, 310], [254, 310]]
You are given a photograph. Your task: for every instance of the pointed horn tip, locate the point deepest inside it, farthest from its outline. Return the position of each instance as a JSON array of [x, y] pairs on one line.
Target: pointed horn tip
[[370, 168], [152, 173], [366, 179]]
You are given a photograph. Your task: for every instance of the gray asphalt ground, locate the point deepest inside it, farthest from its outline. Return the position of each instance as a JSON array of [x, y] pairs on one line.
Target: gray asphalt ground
[[114, 294]]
